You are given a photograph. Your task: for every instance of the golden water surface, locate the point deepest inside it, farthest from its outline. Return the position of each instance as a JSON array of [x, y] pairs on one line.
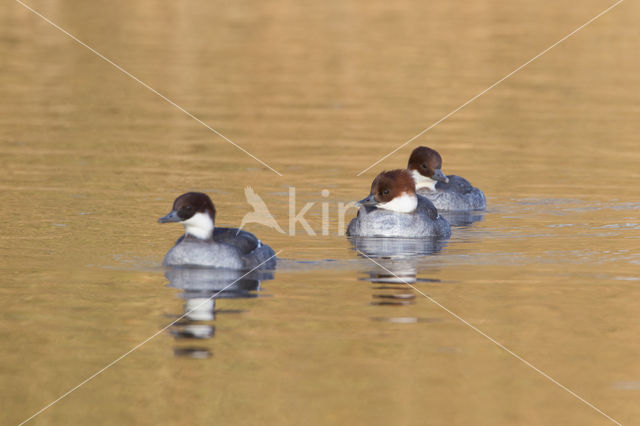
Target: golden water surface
[[319, 91]]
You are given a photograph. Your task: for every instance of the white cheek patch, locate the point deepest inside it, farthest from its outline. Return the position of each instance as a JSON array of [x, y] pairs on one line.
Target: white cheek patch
[[405, 203], [423, 181], [199, 225]]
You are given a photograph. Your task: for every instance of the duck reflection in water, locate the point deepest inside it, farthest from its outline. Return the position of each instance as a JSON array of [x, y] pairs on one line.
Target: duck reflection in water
[[393, 266], [461, 219], [201, 287]]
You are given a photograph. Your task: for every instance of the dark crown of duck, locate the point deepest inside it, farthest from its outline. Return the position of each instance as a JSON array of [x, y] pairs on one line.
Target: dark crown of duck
[[393, 190], [428, 163], [195, 211]]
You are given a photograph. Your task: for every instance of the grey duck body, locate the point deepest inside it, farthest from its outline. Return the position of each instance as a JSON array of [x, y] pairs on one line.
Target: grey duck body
[[424, 221], [229, 248], [456, 195]]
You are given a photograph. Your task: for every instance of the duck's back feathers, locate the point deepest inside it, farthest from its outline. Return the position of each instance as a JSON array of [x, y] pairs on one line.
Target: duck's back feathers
[[244, 241], [427, 206], [456, 184], [230, 248], [251, 248], [456, 195]]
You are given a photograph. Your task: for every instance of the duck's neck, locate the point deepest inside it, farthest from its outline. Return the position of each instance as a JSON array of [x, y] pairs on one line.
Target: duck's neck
[[423, 181], [200, 226], [404, 203]]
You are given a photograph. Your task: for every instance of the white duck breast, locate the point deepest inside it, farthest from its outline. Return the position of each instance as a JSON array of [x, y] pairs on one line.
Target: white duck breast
[[199, 225], [423, 182], [405, 203]]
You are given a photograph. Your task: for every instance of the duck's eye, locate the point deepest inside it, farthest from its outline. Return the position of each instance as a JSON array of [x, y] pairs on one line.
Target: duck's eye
[[385, 192], [424, 166], [186, 212]]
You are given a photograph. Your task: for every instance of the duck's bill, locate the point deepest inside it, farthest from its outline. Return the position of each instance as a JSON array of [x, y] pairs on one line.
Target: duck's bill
[[438, 175], [171, 217], [369, 201]]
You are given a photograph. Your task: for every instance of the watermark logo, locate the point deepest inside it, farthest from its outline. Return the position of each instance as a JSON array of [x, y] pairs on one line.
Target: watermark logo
[[261, 214]]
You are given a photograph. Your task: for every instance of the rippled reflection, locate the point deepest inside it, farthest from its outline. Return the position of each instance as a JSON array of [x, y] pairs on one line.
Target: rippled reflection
[[393, 266], [201, 287], [397, 248], [462, 218]]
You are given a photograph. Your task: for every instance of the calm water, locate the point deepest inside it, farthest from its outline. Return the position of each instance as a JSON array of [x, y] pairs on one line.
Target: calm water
[[319, 91]]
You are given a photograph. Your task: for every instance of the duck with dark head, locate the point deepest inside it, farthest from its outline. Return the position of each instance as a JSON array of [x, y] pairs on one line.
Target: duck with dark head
[[447, 193], [204, 244], [393, 209]]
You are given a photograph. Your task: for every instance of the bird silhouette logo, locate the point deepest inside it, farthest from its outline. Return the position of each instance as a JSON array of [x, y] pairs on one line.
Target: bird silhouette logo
[[260, 214]]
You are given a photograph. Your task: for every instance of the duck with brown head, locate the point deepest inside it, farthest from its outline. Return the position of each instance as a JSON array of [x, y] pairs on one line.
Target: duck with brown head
[[448, 193], [393, 209], [203, 244]]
